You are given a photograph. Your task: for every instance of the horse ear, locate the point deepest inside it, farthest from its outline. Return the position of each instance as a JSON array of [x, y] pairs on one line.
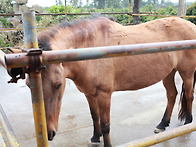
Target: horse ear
[[15, 73]]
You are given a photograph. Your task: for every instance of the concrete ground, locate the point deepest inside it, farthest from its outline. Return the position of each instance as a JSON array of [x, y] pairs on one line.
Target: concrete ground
[[134, 115]]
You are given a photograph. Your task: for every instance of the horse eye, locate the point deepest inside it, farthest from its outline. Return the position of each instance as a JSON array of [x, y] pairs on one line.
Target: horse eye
[[58, 86]]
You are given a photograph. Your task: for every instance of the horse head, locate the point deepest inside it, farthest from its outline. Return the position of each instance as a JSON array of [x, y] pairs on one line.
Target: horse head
[[53, 82]]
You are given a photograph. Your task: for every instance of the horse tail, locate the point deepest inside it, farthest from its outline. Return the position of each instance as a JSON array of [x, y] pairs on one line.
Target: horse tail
[[183, 111]]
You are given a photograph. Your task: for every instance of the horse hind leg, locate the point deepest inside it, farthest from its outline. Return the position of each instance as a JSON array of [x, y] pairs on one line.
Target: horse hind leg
[[171, 92], [187, 97]]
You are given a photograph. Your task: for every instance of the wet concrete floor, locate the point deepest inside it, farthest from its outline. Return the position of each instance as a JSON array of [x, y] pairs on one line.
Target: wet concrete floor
[[134, 115]]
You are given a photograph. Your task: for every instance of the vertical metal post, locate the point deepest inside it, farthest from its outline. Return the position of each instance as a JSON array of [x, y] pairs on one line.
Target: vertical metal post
[[29, 25], [129, 11]]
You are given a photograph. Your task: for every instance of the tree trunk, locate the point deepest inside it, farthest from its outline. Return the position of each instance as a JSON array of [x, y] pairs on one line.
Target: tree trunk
[[101, 4], [182, 8], [136, 10]]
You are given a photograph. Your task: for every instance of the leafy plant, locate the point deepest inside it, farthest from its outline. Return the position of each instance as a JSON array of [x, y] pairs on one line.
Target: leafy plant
[[4, 41], [12, 38], [5, 23], [6, 6], [169, 10], [191, 10]]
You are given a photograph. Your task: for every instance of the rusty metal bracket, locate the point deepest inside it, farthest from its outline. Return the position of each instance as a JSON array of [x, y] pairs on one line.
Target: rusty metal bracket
[[32, 52], [34, 60]]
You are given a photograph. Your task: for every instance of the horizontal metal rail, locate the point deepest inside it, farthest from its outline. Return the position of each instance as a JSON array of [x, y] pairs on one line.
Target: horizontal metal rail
[[84, 13], [164, 136], [58, 56], [154, 15], [20, 29]]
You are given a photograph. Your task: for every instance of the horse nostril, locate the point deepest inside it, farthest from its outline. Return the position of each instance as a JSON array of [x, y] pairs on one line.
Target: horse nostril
[[51, 135]]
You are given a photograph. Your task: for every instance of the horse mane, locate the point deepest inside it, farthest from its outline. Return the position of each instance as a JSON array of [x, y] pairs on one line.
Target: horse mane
[[44, 37], [71, 23]]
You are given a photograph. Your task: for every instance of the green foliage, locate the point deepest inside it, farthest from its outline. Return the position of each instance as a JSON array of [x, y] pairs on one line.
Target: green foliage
[[61, 9], [148, 8], [101, 4], [4, 40], [169, 10], [45, 21], [11, 38], [56, 9], [5, 23], [6, 6], [191, 10]]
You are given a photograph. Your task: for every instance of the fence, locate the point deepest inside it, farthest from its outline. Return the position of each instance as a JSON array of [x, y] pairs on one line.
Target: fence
[[57, 14], [153, 14], [34, 58], [68, 14]]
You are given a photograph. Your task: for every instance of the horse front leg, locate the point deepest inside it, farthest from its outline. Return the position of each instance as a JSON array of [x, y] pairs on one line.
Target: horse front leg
[[96, 119], [104, 101], [170, 87]]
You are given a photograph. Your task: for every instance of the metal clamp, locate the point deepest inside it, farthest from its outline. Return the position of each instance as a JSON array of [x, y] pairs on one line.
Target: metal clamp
[[34, 60]]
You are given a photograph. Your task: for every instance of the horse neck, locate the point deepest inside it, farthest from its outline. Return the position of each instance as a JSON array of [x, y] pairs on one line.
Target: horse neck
[[90, 33], [74, 70]]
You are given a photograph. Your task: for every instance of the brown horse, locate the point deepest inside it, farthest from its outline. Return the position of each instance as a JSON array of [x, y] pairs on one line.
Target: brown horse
[[98, 79]]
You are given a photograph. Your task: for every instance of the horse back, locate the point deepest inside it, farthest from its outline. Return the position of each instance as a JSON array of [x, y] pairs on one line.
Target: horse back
[[160, 30], [140, 71]]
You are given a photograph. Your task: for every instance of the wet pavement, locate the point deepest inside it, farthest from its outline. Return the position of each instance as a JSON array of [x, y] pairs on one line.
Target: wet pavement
[[134, 115]]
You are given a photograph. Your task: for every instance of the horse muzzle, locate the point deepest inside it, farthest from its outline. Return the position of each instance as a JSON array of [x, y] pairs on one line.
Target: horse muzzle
[[51, 135]]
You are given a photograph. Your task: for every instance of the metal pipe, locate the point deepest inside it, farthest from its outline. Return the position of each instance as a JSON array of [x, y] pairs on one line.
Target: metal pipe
[[17, 29], [10, 135], [154, 15], [58, 56], [164, 136], [84, 13], [38, 109], [108, 13], [29, 25]]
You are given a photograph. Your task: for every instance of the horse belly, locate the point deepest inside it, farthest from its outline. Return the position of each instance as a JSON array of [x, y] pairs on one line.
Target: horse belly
[[136, 72]]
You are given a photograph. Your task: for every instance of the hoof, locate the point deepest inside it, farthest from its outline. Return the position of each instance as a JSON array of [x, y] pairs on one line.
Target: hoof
[[94, 144], [156, 130]]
